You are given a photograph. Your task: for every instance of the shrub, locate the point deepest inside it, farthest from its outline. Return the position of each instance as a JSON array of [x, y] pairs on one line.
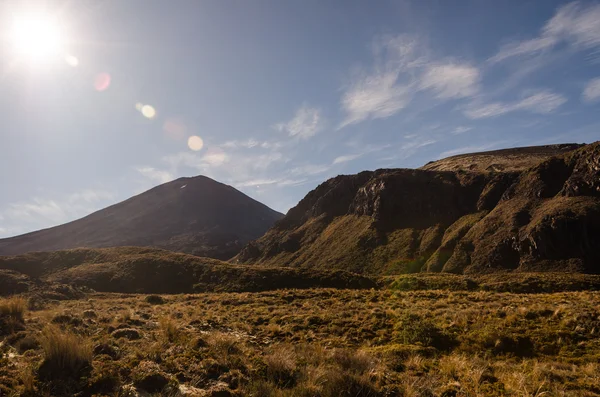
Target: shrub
[[155, 299], [343, 384], [358, 362], [281, 367], [413, 329], [65, 353], [170, 329], [12, 314]]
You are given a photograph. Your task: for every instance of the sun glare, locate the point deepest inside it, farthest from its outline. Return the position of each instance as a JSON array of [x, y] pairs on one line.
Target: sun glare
[[37, 37]]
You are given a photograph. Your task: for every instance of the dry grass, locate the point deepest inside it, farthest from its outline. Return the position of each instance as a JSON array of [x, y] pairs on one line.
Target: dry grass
[[317, 342], [65, 353], [12, 314], [14, 307]]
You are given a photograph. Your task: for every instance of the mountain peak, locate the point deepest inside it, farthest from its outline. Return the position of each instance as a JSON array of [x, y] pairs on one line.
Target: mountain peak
[[195, 215]]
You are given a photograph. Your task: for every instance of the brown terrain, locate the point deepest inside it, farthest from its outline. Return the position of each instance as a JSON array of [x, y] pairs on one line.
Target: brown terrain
[[196, 215], [541, 212], [504, 160]]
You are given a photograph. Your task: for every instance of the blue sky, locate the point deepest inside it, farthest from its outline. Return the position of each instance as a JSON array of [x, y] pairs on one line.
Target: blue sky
[[279, 95]]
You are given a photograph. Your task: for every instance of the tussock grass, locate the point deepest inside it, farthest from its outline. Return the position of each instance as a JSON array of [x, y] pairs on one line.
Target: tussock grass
[[65, 353], [12, 314], [171, 331], [14, 307]]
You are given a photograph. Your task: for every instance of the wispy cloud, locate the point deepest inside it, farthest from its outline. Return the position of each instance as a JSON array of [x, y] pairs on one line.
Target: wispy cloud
[[577, 24], [154, 174], [592, 90], [451, 80], [42, 212], [36, 208], [542, 102], [418, 143], [461, 130], [375, 96], [403, 66], [307, 122], [249, 143], [310, 169], [346, 158]]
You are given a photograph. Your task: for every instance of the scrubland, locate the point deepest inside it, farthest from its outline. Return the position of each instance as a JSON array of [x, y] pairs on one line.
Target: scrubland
[[415, 337]]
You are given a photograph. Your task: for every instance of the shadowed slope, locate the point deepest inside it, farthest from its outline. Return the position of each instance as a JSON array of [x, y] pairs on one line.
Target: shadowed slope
[[149, 270]]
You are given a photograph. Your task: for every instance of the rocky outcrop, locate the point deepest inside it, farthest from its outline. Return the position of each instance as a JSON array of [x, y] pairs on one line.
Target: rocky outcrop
[[546, 217]]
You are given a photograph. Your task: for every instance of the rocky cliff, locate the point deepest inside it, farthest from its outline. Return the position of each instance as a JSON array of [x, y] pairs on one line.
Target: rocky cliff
[[538, 213]]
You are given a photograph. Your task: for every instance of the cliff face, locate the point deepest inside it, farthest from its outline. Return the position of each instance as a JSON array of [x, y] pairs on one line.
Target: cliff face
[[546, 217]]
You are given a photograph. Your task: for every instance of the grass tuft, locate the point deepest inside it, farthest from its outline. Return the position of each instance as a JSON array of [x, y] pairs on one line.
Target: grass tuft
[[65, 353]]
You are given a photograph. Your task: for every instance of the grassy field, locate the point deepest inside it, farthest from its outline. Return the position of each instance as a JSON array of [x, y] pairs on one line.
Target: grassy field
[[453, 339]]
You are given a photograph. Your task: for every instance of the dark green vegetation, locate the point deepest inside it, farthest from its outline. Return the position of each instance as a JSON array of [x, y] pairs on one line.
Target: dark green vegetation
[[542, 218], [316, 342], [149, 270], [193, 215]]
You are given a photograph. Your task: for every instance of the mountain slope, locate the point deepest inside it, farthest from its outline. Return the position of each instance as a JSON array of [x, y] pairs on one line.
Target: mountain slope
[[193, 215], [504, 160], [546, 217]]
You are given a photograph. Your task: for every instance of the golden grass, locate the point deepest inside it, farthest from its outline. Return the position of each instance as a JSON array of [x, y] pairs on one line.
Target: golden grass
[[64, 351], [14, 307], [321, 342]]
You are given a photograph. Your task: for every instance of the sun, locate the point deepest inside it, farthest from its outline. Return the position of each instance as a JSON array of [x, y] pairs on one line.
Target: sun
[[37, 37]]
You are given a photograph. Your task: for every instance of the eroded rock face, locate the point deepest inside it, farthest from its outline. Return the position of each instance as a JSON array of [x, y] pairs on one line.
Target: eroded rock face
[[546, 217]]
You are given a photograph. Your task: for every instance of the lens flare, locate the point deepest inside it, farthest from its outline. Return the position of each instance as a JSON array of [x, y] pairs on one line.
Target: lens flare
[[148, 111], [72, 60], [195, 143], [175, 128], [102, 82]]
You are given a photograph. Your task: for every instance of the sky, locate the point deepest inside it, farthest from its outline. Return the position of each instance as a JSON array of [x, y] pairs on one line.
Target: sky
[[274, 97]]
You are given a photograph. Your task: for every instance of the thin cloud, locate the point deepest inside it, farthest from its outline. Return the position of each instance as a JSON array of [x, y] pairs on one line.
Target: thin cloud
[[249, 143], [307, 122], [346, 158], [417, 144], [43, 212], [592, 90], [154, 174], [541, 102], [574, 23], [451, 80], [403, 67], [374, 97], [310, 169], [460, 130]]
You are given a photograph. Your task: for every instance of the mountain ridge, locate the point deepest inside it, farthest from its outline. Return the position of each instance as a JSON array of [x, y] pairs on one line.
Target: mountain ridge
[[394, 221]]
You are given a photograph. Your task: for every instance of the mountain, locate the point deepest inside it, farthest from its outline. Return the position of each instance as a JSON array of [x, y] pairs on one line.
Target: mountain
[[195, 215], [151, 270], [538, 211]]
